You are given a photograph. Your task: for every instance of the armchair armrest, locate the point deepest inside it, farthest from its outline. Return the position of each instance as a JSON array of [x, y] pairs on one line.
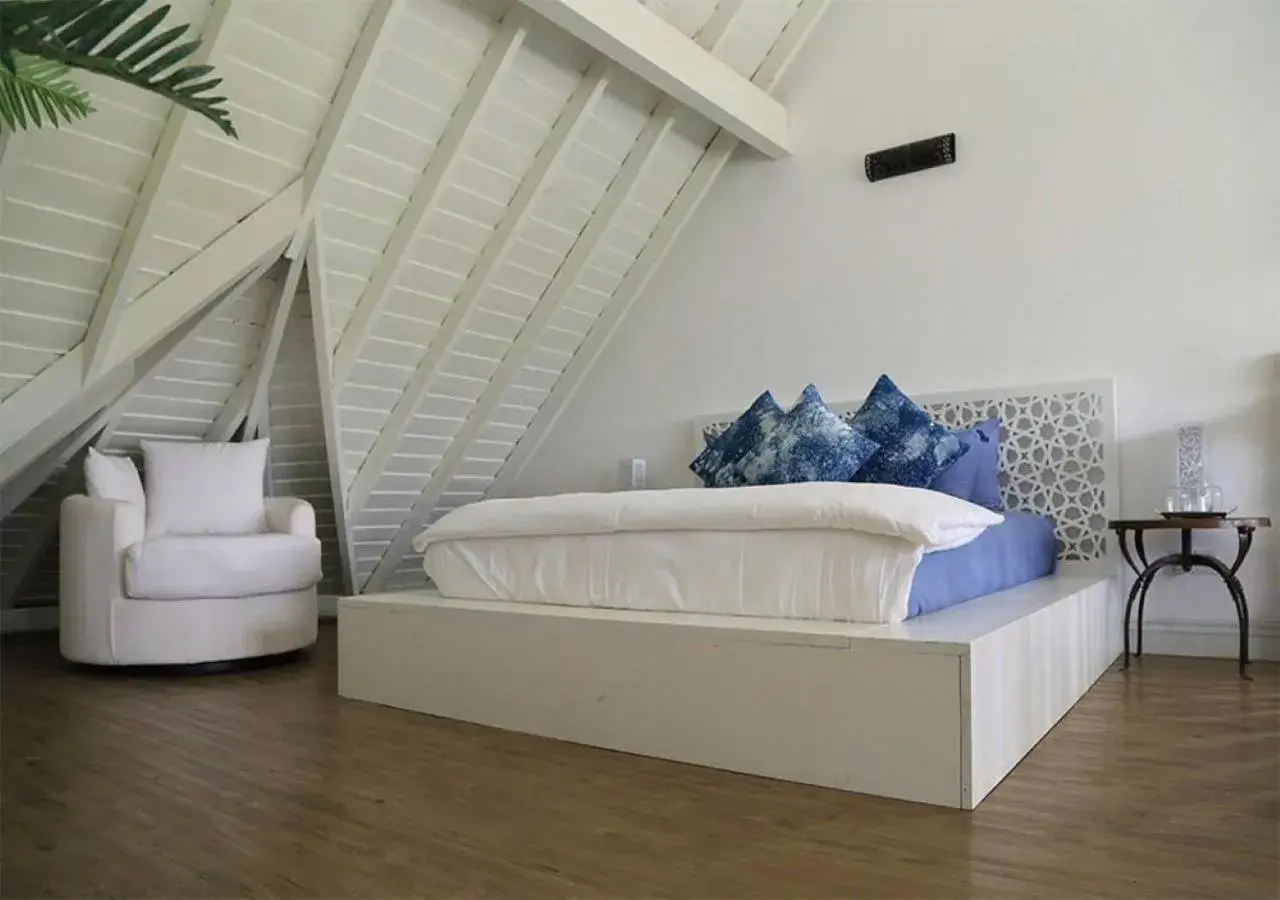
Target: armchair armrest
[[289, 515], [94, 536]]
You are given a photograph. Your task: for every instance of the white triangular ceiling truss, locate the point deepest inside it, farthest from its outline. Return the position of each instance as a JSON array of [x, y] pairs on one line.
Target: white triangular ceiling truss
[[436, 217]]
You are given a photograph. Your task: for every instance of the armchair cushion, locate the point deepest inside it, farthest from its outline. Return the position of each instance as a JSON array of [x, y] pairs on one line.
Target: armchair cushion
[[211, 488], [183, 567], [111, 477]]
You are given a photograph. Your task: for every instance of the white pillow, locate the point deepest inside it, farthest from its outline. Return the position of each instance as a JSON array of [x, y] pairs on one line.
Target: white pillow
[[109, 477], [211, 488]]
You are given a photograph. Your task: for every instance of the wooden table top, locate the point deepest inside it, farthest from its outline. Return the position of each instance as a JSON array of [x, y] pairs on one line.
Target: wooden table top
[[1188, 523]]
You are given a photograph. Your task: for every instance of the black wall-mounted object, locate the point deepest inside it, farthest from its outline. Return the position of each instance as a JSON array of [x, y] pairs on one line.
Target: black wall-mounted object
[[913, 157]]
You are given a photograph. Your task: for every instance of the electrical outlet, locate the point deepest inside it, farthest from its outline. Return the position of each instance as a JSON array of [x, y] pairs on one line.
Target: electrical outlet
[[637, 474]]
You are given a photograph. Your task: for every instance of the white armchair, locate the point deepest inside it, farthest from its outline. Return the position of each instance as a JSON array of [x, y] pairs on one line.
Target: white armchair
[[129, 599]]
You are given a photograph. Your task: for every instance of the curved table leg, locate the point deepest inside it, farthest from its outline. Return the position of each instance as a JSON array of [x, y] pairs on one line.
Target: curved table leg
[[1236, 589], [1139, 593]]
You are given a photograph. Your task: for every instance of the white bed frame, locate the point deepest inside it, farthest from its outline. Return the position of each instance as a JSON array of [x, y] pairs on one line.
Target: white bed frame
[[937, 709]]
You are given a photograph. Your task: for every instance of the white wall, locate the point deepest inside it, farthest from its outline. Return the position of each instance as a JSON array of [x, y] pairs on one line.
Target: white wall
[[1115, 211]]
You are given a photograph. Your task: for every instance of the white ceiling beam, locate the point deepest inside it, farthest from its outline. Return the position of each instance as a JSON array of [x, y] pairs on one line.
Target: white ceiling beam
[[269, 352], [153, 315], [461, 128], [375, 37], [563, 133], [318, 291], [633, 169], [633, 284], [641, 42], [178, 130], [28, 481]]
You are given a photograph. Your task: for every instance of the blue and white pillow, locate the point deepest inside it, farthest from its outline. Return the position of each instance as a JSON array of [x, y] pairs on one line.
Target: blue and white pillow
[[975, 475], [809, 443], [914, 449], [716, 465]]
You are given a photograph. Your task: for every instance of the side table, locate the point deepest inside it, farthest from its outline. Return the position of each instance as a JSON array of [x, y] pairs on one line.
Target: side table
[[1187, 559]]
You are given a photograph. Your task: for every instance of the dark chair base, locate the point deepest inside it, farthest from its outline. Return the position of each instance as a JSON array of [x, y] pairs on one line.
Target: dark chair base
[[182, 670]]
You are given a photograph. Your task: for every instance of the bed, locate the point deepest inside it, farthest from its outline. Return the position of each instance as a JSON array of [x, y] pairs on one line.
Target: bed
[[892, 641]]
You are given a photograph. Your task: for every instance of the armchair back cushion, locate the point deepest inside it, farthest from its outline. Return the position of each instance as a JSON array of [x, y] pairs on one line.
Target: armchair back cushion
[[109, 477], [210, 488]]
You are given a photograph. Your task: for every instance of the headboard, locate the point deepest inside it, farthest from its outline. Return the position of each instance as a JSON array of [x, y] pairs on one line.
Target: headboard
[[1058, 452]]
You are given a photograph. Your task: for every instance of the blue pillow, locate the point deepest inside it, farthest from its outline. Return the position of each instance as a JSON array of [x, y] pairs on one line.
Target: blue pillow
[[975, 475], [809, 443], [914, 449], [716, 465]]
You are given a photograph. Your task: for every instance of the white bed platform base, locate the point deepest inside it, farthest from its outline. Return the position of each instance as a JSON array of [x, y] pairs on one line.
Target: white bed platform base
[[936, 710]]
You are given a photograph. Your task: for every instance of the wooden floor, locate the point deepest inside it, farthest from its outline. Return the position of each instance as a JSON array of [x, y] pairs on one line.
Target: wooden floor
[[1163, 783]]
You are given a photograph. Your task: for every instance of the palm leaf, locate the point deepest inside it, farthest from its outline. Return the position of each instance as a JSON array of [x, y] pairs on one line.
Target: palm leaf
[[37, 92], [97, 36]]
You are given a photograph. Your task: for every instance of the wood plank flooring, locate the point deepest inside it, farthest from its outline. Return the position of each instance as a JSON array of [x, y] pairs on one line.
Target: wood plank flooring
[[1162, 783]]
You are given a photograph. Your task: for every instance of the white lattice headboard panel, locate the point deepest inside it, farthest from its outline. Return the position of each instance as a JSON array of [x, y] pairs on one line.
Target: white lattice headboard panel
[[1058, 452]]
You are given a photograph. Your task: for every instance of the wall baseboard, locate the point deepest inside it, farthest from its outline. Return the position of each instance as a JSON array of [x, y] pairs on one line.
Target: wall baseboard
[[32, 618], [45, 618], [1212, 639]]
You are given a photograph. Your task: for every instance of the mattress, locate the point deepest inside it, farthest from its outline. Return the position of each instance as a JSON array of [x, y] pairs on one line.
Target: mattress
[[836, 552], [1022, 548]]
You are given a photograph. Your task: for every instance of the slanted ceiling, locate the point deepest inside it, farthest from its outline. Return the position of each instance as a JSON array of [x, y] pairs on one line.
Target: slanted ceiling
[[436, 215]]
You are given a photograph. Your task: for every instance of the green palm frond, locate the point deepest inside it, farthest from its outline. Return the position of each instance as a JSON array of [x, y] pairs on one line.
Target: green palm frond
[[96, 36], [38, 91]]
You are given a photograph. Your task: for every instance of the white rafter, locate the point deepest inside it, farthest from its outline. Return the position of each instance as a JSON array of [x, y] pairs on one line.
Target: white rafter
[[563, 133], [640, 41], [269, 352], [632, 171], [157, 312], [318, 291], [691, 195], [178, 129], [375, 37], [461, 128]]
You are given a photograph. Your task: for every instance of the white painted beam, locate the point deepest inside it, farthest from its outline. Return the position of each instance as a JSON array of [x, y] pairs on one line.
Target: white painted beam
[[157, 312], [461, 128], [682, 210], [317, 288], [177, 132], [638, 40], [269, 352], [563, 133], [28, 481], [633, 169], [375, 37]]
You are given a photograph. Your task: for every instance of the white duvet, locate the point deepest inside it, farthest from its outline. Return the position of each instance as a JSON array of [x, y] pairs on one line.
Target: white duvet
[[816, 550]]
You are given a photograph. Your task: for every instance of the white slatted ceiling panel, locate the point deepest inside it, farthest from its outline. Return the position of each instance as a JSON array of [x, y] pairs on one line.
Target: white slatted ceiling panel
[[281, 67], [447, 245], [299, 467], [64, 213], [180, 400], [415, 88], [16, 530]]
